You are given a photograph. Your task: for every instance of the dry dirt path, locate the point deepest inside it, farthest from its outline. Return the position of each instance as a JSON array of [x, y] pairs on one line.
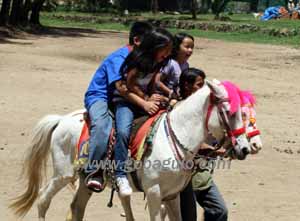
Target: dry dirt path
[[49, 74]]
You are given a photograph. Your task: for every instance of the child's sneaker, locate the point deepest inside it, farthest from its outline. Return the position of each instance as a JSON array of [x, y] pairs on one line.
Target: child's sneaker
[[124, 187], [95, 184]]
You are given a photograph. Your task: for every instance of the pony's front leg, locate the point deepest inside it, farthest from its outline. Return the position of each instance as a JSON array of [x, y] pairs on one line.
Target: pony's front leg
[[163, 212], [154, 202], [127, 208], [173, 209]]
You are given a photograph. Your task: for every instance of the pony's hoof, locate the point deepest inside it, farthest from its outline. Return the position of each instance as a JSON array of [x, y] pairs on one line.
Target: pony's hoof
[[69, 216]]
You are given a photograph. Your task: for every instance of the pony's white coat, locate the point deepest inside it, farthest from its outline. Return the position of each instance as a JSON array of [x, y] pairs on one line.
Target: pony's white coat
[[59, 135]]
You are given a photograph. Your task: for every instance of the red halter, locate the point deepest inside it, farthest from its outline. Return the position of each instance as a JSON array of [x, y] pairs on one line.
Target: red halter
[[232, 134], [255, 132]]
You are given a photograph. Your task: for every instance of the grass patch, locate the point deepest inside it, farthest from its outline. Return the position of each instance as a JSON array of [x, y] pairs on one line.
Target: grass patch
[[246, 37], [47, 19]]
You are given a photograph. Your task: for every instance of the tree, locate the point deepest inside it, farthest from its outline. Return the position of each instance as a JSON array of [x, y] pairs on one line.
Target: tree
[[194, 9], [267, 3], [154, 6], [254, 5], [4, 14], [25, 12], [35, 11], [15, 14], [286, 2], [179, 3], [205, 6], [19, 14], [218, 6]]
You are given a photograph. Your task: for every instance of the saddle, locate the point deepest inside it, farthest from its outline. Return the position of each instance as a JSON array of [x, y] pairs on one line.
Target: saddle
[[143, 130]]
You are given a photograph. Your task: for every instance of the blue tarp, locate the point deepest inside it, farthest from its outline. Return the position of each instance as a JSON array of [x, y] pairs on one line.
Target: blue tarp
[[270, 13]]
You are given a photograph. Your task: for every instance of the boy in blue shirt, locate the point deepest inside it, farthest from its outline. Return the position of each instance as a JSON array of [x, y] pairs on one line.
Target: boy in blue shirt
[[96, 101]]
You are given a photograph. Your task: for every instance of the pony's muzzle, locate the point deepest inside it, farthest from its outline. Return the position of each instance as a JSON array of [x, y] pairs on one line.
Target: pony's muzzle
[[245, 151], [242, 153], [255, 148]]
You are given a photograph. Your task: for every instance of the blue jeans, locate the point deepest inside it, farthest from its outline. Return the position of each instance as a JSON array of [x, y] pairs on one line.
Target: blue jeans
[[101, 124], [124, 115], [213, 204], [188, 204]]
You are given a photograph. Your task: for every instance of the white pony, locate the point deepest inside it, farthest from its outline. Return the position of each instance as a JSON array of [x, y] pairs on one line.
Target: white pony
[[253, 133], [178, 138]]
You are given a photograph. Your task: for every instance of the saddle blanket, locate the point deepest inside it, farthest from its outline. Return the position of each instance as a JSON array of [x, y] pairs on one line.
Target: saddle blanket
[[141, 138]]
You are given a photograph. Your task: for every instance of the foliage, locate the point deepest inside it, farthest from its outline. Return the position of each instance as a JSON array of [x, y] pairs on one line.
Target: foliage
[[24, 12], [18, 12]]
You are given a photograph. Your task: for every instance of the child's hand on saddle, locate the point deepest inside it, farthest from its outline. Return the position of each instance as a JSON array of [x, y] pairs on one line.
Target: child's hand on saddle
[[158, 97], [173, 102], [151, 107]]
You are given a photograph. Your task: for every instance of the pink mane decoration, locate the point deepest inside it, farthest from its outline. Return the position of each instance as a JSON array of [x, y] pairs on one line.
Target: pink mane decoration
[[237, 97]]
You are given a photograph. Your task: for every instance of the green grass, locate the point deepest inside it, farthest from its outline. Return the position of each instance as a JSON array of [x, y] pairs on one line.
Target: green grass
[[54, 22], [48, 20], [246, 37], [237, 19]]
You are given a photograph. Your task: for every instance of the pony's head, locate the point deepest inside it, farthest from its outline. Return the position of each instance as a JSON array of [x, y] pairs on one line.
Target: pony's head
[[253, 133], [230, 115], [247, 101]]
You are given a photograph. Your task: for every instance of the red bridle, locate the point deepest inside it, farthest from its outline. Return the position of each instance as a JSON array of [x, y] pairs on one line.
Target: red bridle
[[232, 134], [255, 132]]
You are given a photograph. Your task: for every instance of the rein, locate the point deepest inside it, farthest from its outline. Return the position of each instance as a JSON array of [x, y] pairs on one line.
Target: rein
[[176, 144], [174, 139], [224, 120]]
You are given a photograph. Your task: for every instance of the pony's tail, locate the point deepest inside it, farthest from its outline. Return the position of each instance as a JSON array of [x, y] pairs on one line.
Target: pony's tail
[[35, 163]]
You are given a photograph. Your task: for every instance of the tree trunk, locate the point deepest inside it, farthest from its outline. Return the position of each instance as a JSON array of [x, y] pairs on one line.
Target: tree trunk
[[16, 11], [154, 6], [286, 2], [194, 9], [179, 4], [218, 6], [25, 12], [267, 3], [4, 14], [254, 5], [35, 14], [91, 5], [205, 6]]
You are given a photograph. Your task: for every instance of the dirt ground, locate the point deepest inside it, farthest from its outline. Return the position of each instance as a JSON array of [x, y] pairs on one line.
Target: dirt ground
[[49, 74]]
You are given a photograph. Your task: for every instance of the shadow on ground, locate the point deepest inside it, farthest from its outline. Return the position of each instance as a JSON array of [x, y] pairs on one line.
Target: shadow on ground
[[9, 35]]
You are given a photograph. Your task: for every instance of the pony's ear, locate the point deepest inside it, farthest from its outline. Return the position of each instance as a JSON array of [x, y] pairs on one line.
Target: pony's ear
[[215, 89]]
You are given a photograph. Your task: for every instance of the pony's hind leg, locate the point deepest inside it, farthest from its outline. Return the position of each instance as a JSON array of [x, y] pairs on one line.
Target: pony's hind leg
[[79, 202], [55, 184], [62, 166]]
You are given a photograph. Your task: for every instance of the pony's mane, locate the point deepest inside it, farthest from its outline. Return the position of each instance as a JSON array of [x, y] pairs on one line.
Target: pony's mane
[[237, 97]]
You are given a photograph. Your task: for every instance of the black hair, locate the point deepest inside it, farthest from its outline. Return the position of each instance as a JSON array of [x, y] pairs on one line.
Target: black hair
[[178, 38], [189, 76], [139, 29], [143, 57]]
